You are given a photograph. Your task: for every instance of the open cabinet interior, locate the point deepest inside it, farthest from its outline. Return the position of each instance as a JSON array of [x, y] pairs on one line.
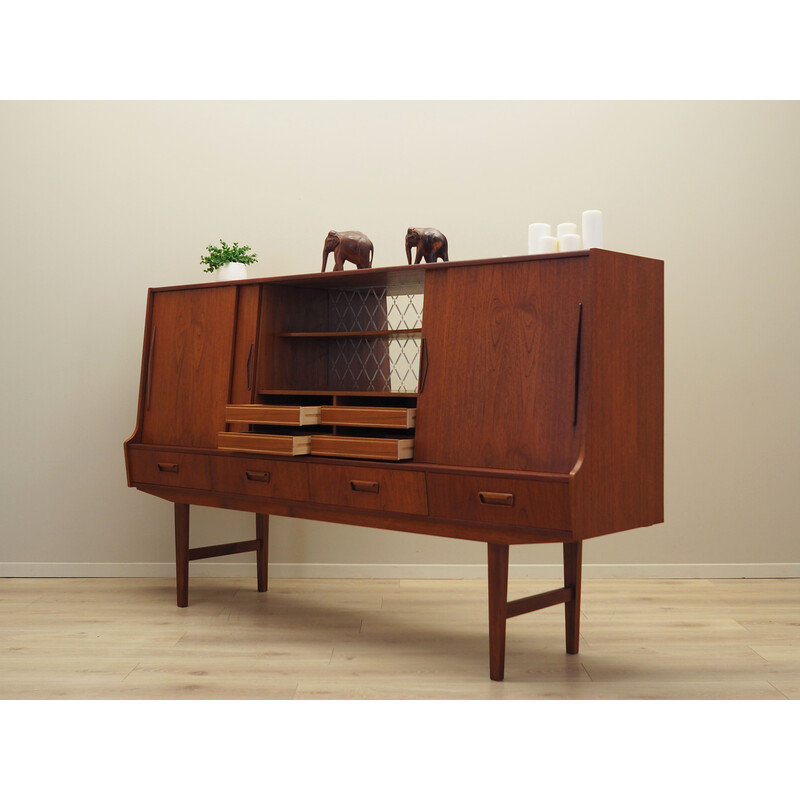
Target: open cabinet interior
[[339, 371]]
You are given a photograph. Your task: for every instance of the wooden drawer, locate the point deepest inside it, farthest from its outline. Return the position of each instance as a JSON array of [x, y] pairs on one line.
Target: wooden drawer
[[287, 480], [532, 503], [375, 449], [362, 487], [275, 444], [368, 417], [167, 468], [273, 415]]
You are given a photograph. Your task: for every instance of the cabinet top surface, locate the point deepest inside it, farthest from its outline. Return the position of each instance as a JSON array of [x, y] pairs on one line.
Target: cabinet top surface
[[383, 276]]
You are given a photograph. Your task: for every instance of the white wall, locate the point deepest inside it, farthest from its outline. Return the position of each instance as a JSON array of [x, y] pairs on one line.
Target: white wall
[[99, 200]]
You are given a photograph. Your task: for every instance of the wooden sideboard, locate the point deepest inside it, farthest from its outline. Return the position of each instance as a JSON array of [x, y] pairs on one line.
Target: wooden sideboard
[[508, 401]]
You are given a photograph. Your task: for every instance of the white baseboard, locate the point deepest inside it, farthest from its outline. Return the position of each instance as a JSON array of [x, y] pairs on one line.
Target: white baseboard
[[218, 569]]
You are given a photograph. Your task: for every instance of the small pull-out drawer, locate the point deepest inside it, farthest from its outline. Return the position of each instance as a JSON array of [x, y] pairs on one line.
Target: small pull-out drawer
[[273, 415], [275, 444], [285, 480], [368, 417], [361, 487], [532, 503], [373, 449], [168, 468]]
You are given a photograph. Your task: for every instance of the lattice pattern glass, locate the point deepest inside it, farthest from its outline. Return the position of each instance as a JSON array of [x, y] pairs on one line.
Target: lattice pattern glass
[[383, 363]]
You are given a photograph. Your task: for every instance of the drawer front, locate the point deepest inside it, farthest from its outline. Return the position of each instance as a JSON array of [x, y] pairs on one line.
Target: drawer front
[[383, 449], [375, 489], [535, 504], [273, 415], [166, 468], [368, 417], [286, 480]]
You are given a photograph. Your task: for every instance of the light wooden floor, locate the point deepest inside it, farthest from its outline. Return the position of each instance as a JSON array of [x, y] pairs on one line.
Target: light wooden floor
[[393, 639]]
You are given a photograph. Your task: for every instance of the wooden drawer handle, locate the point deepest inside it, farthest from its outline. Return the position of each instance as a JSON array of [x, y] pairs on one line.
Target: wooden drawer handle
[[365, 486], [496, 498], [257, 476], [164, 467]]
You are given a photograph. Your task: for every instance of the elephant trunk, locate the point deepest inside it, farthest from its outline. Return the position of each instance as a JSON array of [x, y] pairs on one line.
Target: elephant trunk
[[325, 252], [408, 252]]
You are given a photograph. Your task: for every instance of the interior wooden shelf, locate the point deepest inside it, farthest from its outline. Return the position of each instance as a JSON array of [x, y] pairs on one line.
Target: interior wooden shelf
[[374, 334]]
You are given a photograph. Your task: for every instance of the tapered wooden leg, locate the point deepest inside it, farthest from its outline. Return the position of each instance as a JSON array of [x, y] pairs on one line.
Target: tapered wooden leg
[[182, 553], [498, 608], [262, 554], [572, 580]]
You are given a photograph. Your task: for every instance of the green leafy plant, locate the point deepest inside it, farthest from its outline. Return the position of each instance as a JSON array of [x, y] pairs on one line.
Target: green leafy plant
[[217, 256]]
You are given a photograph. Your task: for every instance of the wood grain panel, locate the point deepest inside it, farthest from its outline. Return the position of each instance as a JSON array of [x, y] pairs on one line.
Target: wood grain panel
[[620, 483], [361, 487], [501, 344], [168, 468], [261, 477], [536, 504], [189, 366]]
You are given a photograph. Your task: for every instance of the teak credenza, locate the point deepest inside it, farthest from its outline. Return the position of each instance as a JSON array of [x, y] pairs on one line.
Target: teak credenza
[[508, 401]]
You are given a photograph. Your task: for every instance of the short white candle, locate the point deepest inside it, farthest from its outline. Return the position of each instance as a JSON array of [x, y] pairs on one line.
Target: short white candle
[[592, 229], [566, 227], [535, 231], [547, 244], [569, 241]]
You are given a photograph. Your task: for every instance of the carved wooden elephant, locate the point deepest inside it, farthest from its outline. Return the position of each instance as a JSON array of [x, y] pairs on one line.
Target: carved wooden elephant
[[351, 246], [430, 243]]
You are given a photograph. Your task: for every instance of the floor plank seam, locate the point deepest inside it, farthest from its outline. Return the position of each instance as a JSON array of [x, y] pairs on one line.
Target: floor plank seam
[[750, 648], [783, 694]]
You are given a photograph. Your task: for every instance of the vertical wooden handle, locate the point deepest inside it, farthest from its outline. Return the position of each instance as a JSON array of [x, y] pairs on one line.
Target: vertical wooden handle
[[150, 367], [250, 367], [577, 365], [423, 364]]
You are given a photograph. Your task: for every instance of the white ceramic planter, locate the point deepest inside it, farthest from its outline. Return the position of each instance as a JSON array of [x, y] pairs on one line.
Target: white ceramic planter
[[232, 272]]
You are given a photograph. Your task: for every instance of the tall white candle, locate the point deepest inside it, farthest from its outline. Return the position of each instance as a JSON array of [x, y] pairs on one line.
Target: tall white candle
[[535, 231], [547, 244], [569, 241], [565, 228], [592, 229]]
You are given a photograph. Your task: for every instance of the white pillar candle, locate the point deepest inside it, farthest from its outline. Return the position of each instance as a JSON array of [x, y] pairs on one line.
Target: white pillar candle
[[592, 229], [535, 231], [569, 241], [547, 244], [566, 227]]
